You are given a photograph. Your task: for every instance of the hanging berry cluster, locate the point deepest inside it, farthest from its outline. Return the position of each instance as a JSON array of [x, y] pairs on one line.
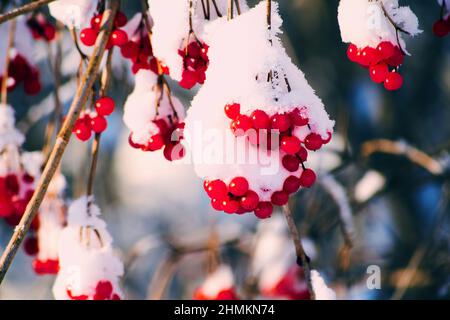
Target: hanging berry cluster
[[195, 63], [378, 60], [441, 27], [375, 29], [155, 117], [94, 121], [289, 119], [89, 269], [219, 285], [118, 37], [21, 71], [41, 28]]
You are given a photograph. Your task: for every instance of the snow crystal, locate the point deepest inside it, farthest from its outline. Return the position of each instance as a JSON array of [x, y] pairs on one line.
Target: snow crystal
[[73, 13], [221, 279], [320, 288], [364, 22], [86, 256], [141, 107]]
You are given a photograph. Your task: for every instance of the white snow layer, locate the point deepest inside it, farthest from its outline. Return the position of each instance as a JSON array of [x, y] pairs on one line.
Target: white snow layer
[[320, 288], [170, 34], [73, 13], [8, 133], [221, 279], [239, 52], [364, 22], [85, 258]]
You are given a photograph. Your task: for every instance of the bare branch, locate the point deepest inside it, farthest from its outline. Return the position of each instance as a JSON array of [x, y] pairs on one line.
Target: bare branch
[[23, 10]]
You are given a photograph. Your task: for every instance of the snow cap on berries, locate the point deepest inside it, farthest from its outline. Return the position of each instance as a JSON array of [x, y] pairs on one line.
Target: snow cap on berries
[[86, 255], [72, 13], [221, 279], [364, 23], [141, 107], [320, 288], [8, 133]]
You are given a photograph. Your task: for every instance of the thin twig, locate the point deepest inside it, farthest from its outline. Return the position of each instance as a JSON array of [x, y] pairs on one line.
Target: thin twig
[[64, 135], [11, 35], [23, 10], [302, 258], [230, 9]]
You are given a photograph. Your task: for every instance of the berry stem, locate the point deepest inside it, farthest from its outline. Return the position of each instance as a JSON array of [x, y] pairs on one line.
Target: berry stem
[[302, 258], [230, 10], [216, 8], [62, 141], [23, 10], [73, 33], [11, 34]]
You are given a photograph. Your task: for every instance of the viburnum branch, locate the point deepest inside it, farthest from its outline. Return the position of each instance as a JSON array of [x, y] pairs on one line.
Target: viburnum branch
[[230, 9], [216, 8], [302, 258], [396, 26], [23, 10], [73, 33], [81, 96], [401, 148], [238, 7], [11, 35]]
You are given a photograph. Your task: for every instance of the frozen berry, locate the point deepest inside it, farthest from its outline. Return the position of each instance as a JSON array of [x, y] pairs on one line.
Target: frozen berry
[[96, 21], [229, 205], [313, 141], [238, 186], [280, 122], [291, 184], [104, 288], [174, 151], [378, 72], [303, 154], [441, 28], [260, 119], [386, 49], [232, 110], [155, 142], [250, 200], [264, 210], [241, 124], [298, 118], [290, 163], [307, 178], [369, 56], [290, 144], [217, 189], [353, 53], [104, 106], [31, 246], [120, 20], [217, 204], [88, 36], [394, 81], [279, 198], [98, 124], [82, 131], [119, 38]]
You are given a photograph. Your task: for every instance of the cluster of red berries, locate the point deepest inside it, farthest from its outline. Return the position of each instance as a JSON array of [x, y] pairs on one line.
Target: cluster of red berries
[[40, 28], [441, 27], [226, 294], [378, 60], [169, 137], [15, 192], [19, 70], [50, 266], [103, 291], [94, 121], [118, 37], [195, 63], [139, 50], [291, 286]]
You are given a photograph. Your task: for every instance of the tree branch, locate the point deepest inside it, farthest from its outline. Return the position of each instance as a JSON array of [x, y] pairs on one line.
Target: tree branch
[[23, 10], [11, 34], [64, 135]]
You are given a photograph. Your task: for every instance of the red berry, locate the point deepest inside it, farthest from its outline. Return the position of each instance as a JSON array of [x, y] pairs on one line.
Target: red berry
[[291, 184], [96, 21], [115, 296], [279, 198], [386, 49], [369, 56], [281, 122], [88, 36], [238, 186], [217, 189], [98, 124], [119, 38], [290, 144], [290, 163], [104, 106], [378, 72], [353, 53], [104, 288], [303, 154], [217, 204], [120, 20], [82, 131], [49, 32], [242, 123], [155, 142], [250, 200], [32, 86], [232, 110], [31, 246], [313, 141], [441, 28], [264, 210], [307, 178], [394, 81], [229, 205], [174, 151], [298, 118], [130, 50], [397, 58], [328, 139], [260, 119]]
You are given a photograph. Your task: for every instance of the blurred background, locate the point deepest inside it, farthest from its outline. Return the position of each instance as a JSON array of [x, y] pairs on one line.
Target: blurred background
[[382, 197]]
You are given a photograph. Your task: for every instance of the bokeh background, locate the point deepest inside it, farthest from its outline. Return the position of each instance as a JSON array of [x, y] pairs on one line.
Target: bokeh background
[[397, 209]]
